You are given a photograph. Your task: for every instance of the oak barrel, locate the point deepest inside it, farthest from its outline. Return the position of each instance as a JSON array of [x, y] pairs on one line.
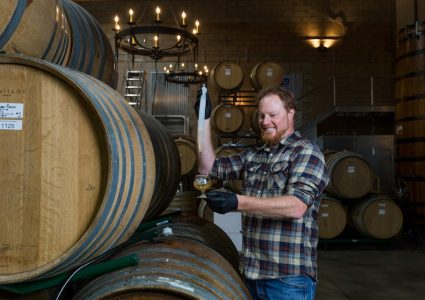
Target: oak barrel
[[35, 28], [203, 231], [61, 32], [265, 74], [170, 268], [332, 217], [227, 76], [91, 50], [227, 118], [235, 185], [187, 152], [376, 216], [253, 121], [410, 116], [81, 169], [351, 176], [184, 202], [167, 164]]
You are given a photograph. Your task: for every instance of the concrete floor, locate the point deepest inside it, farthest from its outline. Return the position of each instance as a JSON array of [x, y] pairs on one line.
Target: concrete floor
[[375, 272]]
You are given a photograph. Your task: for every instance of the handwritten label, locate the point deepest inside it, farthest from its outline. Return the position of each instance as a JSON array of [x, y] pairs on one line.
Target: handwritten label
[[11, 110], [11, 115]]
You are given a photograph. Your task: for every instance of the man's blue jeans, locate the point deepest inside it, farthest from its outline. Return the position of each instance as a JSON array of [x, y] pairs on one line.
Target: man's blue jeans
[[299, 287]]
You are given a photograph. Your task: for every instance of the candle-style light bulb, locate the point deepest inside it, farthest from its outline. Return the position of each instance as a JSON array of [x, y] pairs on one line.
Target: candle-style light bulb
[[194, 31], [155, 41], [197, 25], [178, 38], [196, 66], [183, 18], [158, 11], [117, 26], [182, 66], [131, 12]]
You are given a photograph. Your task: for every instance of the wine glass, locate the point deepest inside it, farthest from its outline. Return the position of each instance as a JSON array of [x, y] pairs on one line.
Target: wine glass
[[202, 182]]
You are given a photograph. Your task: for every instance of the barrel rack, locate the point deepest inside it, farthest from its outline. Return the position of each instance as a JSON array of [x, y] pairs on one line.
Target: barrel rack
[[245, 137]]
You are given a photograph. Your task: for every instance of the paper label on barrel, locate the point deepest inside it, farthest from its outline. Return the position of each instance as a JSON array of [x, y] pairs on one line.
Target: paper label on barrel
[[381, 212], [399, 129], [11, 110], [10, 124], [228, 115], [11, 115], [227, 72], [269, 72], [324, 215], [351, 169]]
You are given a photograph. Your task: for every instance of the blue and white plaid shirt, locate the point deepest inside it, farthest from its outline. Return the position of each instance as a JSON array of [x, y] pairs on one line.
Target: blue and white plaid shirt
[[275, 247]]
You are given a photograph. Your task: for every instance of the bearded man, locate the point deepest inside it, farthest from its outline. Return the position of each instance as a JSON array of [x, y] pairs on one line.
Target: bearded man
[[283, 180]]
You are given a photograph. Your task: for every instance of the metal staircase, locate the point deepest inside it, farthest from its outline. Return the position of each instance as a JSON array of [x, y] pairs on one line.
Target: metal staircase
[[134, 84]]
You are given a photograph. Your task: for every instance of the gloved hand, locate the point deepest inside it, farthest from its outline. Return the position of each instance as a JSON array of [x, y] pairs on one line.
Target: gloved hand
[[222, 202], [207, 105]]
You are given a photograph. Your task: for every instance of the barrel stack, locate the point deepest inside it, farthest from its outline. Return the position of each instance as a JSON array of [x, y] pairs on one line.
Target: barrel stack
[[353, 198]]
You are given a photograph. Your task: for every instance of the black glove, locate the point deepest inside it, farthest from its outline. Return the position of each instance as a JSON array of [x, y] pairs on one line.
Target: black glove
[[207, 105], [222, 202]]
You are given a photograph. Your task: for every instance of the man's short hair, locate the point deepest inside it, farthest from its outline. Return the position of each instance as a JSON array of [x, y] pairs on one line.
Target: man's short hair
[[286, 96]]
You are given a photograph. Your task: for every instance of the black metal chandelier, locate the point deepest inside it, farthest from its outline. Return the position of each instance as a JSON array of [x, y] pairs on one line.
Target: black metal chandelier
[[156, 41], [178, 73]]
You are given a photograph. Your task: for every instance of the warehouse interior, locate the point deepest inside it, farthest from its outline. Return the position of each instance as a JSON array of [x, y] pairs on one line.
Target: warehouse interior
[[356, 68]]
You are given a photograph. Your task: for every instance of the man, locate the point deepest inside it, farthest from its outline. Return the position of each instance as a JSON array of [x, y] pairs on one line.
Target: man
[[282, 184]]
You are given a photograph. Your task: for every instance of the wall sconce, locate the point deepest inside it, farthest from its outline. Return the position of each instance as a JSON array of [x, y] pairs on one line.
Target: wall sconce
[[322, 42]]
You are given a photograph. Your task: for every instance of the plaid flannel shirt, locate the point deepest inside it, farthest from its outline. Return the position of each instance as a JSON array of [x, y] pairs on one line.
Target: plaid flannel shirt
[[275, 247]]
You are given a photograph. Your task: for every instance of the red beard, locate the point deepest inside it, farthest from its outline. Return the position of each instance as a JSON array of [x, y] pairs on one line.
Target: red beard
[[271, 140]]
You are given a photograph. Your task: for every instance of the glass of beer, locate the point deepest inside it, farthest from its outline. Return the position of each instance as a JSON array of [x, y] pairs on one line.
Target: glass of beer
[[202, 182]]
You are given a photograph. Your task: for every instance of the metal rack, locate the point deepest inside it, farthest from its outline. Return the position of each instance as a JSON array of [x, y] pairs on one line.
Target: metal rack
[[244, 137]]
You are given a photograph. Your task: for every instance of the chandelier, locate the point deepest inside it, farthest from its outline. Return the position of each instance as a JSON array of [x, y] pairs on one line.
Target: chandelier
[[186, 73], [157, 40]]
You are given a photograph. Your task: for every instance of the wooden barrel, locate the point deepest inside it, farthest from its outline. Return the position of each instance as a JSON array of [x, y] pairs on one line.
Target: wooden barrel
[[35, 28], [187, 152], [167, 166], [184, 202], [227, 76], [61, 32], [205, 212], [203, 231], [91, 50], [376, 216], [253, 121], [170, 268], [81, 169], [266, 73], [235, 185], [332, 218], [410, 116], [351, 176], [227, 118]]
